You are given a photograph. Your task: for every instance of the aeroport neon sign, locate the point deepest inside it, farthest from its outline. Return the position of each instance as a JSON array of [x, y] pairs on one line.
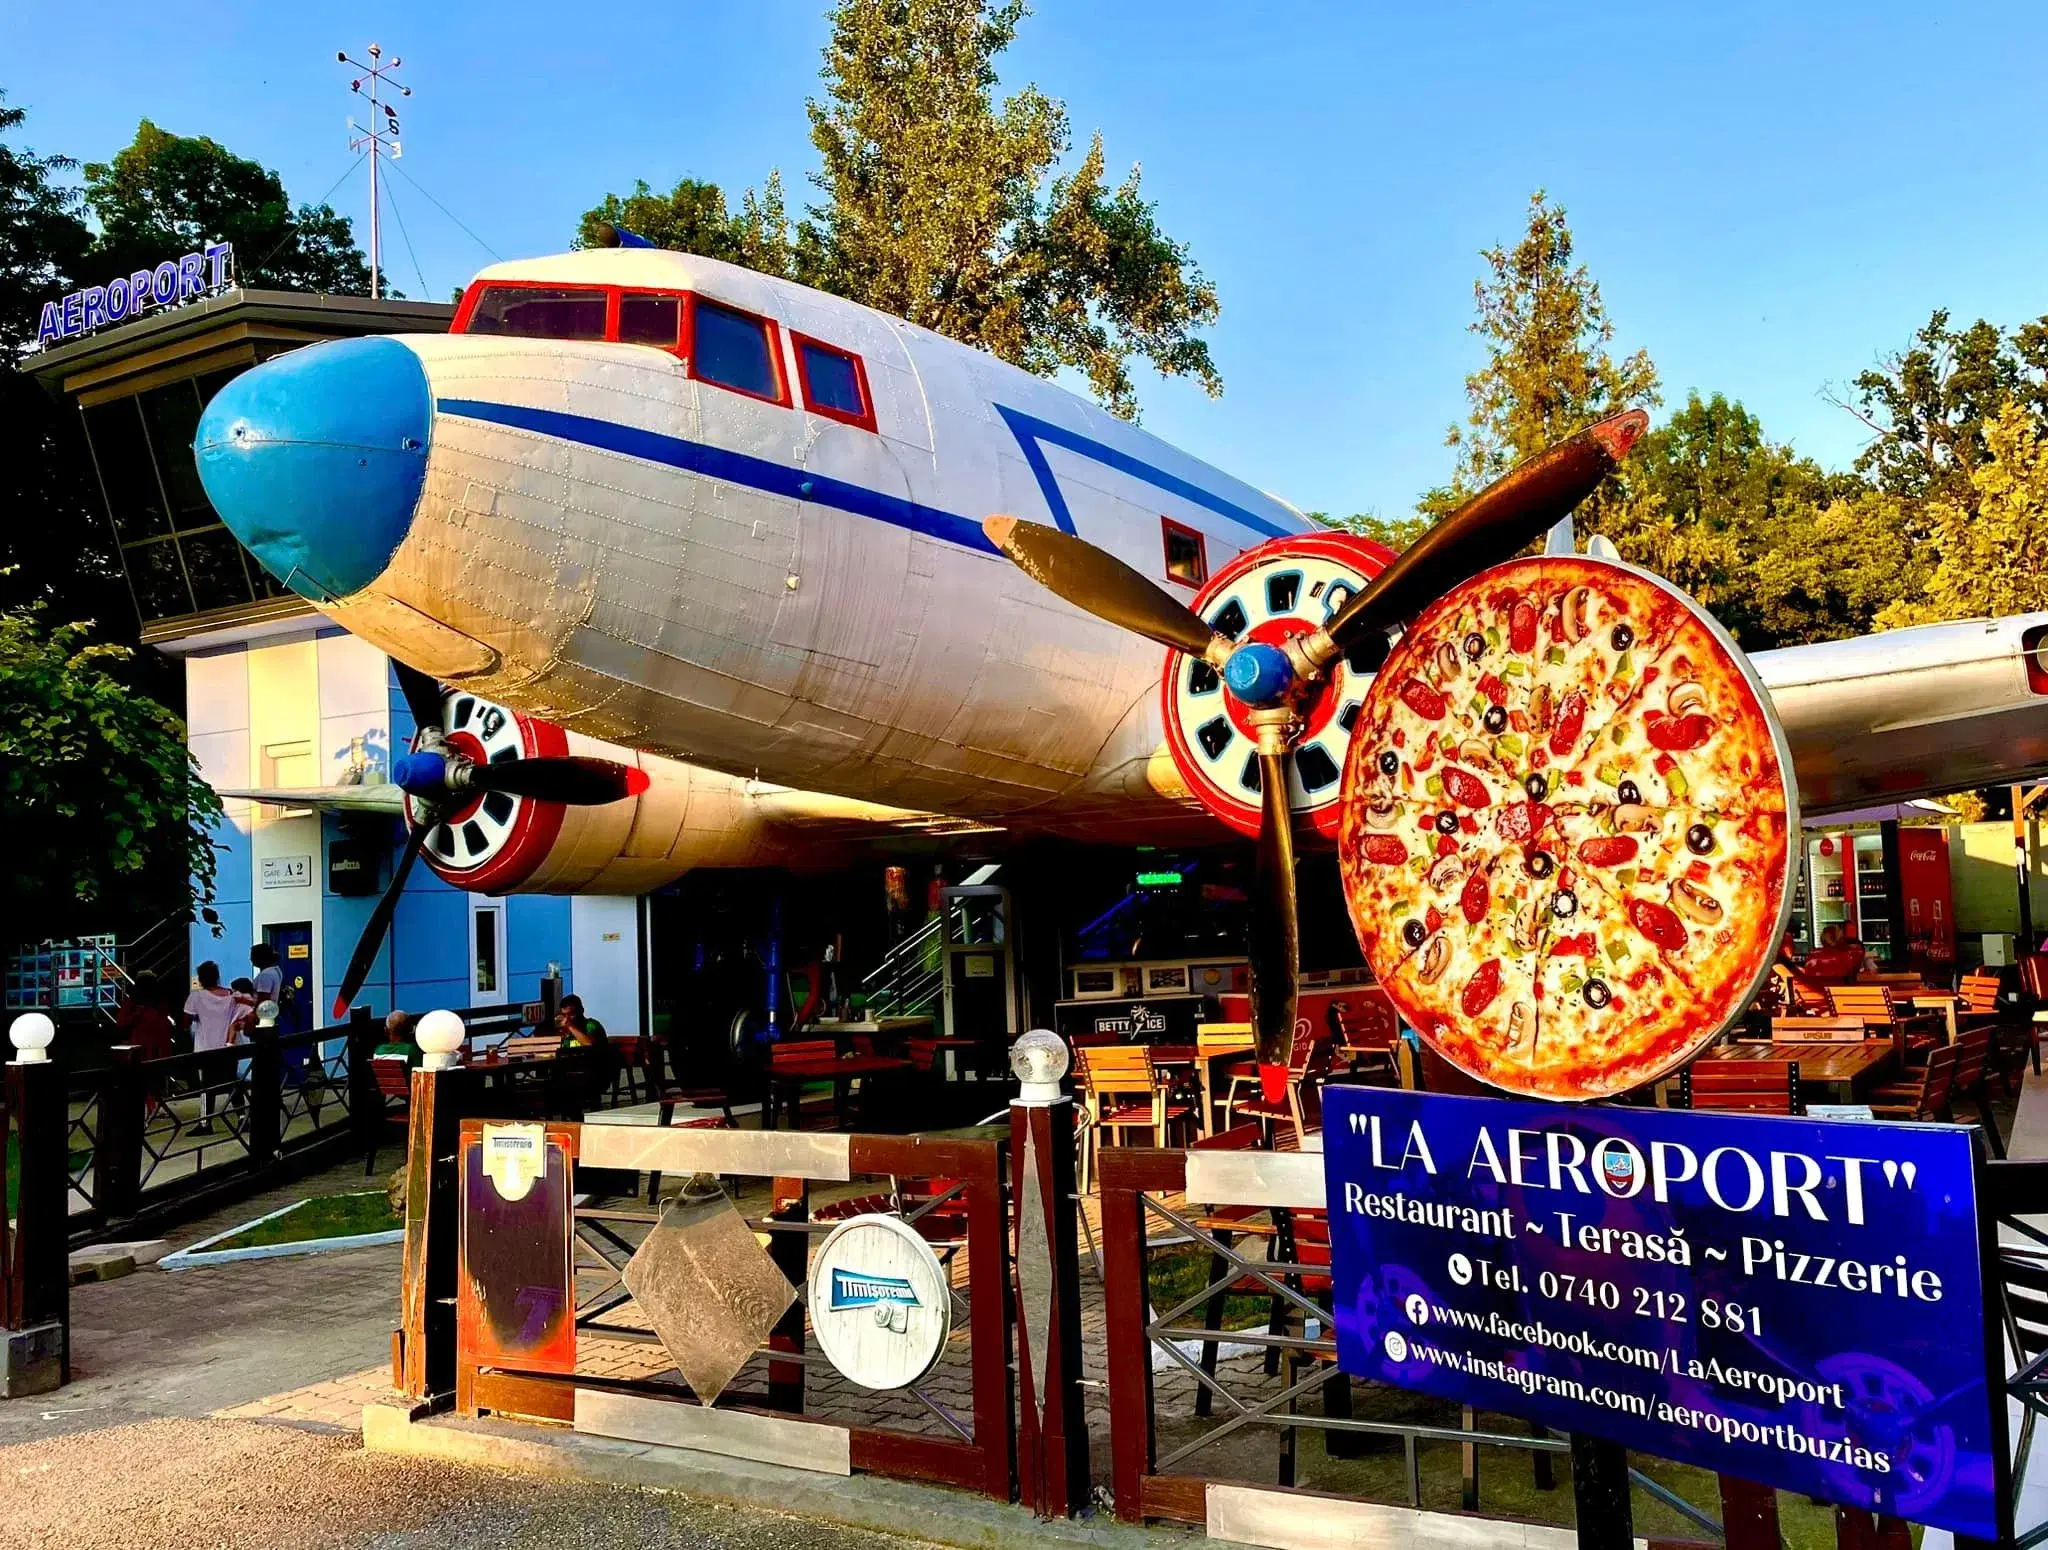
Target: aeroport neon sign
[[172, 282]]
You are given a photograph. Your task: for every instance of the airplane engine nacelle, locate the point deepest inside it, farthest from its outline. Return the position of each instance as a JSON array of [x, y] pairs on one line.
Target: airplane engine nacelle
[[1284, 587], [687, 817]]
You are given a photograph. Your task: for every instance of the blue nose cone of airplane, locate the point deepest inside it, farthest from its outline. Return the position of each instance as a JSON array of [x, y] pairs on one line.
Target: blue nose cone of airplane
[[315, 460]]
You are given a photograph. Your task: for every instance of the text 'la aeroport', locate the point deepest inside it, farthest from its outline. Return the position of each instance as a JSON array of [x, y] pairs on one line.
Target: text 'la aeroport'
[[1733, 1178]]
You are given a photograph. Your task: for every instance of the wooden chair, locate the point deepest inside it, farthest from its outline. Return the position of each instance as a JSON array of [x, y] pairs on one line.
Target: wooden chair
[[394, 1099], [786, 1079], [1214, 1044], [1748, 1086], [1912, 1033], [1796, 998], [1245, 1079], [1980, 990], [1973, 1072], [1365, 1042], [527, 1046], [1926, 1097], [1302, 1104], [633, 1061], [1818, 1029], [1124, 1091], [2034, 981]]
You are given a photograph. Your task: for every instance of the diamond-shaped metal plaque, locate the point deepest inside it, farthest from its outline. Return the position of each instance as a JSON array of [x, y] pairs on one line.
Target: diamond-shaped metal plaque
[[709, 1289]]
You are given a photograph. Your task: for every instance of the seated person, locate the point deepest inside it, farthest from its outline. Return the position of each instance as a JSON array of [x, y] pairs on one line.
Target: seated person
[[1838, 959], [578, 1028], [398, 1037]]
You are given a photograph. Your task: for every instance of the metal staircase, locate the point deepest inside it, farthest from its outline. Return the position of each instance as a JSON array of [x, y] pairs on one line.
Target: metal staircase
[[910, 980]]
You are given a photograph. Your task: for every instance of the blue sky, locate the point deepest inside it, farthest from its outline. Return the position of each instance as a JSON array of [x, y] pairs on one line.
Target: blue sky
[[1771, 195]]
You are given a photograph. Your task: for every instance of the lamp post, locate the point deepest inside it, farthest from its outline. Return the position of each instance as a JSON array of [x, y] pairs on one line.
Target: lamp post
[[35, 1283], [1052, 1453]]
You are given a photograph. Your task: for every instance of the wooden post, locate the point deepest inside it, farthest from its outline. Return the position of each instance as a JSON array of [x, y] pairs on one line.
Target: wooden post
[[790, 1201], [37, 1355], [117, 1151], [1133, 1440], [1749, 1515], [2022, 863], [1052, 1439], [1600, 1491], [266, 1099], [433, 1207]]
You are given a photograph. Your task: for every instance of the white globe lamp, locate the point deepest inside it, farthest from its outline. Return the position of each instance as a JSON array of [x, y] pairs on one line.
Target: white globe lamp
[[440, 1036], [31, 1036], [1038, 1060]]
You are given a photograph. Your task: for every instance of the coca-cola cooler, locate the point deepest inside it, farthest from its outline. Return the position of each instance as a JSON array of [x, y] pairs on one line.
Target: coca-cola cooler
[[1930, 897]]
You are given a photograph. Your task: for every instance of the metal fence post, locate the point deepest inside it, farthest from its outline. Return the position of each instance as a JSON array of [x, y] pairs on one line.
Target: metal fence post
[[1600, 1492], [365, 1106], [117, 1152], [37, 1256], [266, 1098]]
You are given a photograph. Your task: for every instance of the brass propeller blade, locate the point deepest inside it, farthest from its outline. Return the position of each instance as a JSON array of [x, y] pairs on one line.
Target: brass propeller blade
[[1275, 937], [1493, 526], [1101, 584]]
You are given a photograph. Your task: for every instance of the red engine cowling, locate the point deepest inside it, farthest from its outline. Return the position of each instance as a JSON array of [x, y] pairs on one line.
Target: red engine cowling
[[1283, 588]]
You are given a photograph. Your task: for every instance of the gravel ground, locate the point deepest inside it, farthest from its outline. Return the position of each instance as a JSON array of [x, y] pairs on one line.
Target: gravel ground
[[245, 1485]]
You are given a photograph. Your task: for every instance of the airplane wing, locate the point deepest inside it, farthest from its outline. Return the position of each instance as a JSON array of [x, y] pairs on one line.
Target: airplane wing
[[1913, 713], [380, 798]]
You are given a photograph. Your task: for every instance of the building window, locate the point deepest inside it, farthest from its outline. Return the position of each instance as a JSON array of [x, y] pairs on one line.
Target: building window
[[651, 320], [733, 349], [538, 312], [487, 923], [835, 383], [1187, 556]]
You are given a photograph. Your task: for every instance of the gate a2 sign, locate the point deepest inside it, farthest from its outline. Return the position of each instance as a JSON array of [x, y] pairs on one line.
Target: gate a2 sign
[[1797, 1303]]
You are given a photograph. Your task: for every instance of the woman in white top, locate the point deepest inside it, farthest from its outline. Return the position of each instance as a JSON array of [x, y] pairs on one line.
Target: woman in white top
[[211, 1013], [211, 1010]]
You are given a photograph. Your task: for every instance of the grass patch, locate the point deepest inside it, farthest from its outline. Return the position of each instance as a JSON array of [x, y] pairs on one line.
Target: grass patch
[[324, 1216], [1173, 1277]]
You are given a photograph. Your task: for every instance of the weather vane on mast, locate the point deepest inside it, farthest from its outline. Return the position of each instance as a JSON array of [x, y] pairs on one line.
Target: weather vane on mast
[[379, 137]]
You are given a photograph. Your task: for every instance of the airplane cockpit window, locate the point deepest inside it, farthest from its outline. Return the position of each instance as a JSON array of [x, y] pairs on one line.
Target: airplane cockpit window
[[651, 320], [539, 312], [733, 349]]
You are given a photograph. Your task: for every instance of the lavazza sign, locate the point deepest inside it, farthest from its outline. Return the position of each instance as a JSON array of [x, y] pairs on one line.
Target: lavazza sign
[[171, 283]]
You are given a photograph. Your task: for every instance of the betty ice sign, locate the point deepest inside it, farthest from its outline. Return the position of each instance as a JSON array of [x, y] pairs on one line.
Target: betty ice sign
[[1795, 1303]]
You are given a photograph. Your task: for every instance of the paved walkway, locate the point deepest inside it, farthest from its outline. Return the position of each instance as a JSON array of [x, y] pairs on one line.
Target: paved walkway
[[191, 1342]]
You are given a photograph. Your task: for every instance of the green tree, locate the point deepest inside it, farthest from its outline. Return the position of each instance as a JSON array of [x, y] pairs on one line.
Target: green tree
[[108, 818], [54, 543], [1929, 407], [1549, 370], [692, 218], [1781, 551], [166, 194], [943, 206], [1991, 547]]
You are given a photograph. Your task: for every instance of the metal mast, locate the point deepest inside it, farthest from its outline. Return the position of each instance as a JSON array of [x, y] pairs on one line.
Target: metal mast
[[378, 137]]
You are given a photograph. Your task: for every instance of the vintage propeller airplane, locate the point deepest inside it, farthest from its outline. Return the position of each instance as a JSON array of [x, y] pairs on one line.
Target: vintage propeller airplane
[[700, 527]]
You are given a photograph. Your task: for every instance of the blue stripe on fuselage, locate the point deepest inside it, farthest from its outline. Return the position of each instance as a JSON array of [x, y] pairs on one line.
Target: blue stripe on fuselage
[[756, 473], [715, 462]]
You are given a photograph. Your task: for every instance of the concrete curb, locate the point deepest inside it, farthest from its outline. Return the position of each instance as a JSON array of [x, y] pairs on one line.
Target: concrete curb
[[198, 1254], [862, 1501]]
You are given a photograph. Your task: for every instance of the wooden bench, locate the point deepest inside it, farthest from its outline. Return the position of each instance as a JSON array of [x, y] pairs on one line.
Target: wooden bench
[[1749, 1086]]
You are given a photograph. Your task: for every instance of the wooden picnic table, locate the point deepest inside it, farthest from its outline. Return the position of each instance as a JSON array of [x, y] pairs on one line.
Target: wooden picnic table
[[1847, 1065], [787, 1077], [1942, 1001]]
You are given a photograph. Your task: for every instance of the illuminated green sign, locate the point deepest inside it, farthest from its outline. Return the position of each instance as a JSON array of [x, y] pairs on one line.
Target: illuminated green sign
[[1159, 879]]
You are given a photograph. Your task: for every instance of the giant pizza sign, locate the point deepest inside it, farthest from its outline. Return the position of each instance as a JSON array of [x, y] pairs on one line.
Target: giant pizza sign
[[1566, 838]]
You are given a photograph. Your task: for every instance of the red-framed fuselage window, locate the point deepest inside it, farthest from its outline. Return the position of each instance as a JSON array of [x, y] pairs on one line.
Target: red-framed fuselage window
[[834, 381], [719, 343], [1187, 554]]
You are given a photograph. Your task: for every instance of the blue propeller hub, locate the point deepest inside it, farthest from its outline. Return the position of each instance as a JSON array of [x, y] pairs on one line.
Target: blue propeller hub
[[1259, 674], [423, 774]]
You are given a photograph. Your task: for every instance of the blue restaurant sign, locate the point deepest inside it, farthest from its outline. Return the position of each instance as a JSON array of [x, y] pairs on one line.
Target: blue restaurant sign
[[171, 282], [1794, 1302]]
